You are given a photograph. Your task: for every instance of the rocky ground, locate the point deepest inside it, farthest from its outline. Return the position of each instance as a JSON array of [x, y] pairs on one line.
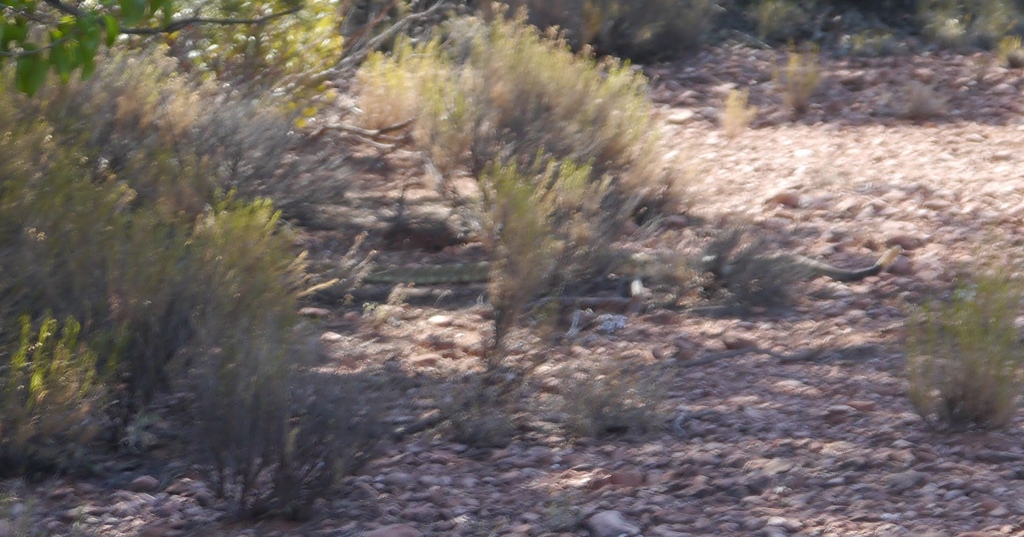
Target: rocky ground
[[826, 444]]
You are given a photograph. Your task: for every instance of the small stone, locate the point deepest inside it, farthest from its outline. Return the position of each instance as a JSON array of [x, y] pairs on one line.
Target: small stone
[[144, 483], [61, 492], [904, 481], [666, 531], [315, 313], [441, 320], [786, 198], [735, 341], [902, 266], [610, 524], [840, 409], [399, 479], [394, 530], [627, 479], [681, 117], [937, 204], [422, 513], [429, 359], [906, 240], [676, 221], [351, 317], [1003, 89], [156, 530], [331, 337], [862, 406], [988, 504]]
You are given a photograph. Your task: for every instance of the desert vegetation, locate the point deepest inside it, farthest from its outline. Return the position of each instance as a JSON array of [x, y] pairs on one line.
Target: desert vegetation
[[193, 199]]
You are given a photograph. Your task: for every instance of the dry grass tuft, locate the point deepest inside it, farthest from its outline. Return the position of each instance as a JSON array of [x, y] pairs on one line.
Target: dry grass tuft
[[964, 355], [799, 79], [1010, 52], [739, 272], [609, 401], [737, 116], [922, 102]]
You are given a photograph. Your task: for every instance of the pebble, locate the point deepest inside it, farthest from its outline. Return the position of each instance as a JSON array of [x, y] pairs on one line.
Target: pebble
[[610, 524]]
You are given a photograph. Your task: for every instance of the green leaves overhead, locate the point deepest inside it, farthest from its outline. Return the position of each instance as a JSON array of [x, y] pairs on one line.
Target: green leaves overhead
[[30, 73], [65, 35]]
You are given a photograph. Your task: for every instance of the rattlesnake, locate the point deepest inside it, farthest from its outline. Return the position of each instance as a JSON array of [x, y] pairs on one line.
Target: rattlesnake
[[479, 272]]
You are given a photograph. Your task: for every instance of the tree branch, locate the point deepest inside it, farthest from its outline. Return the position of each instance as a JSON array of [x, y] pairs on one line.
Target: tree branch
[[176, 25], [64, 8], [355, 57]]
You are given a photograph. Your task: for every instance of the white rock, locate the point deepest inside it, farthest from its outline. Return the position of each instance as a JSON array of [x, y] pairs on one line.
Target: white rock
[[610, 524]]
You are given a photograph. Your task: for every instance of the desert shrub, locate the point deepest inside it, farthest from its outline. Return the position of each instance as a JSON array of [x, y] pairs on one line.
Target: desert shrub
[[779, 19], [608, 401], [740, 272], [964, 355], [1011, 53], [138, 109], [390, 86], [960, 23], [101, 220], [799, 79], [276, 434], [642, 30], [922, 102], [871, 43], [541, 226], [177, 283], [481, 412], [737, 115], [51, 400], [502, 92], [483, 426]]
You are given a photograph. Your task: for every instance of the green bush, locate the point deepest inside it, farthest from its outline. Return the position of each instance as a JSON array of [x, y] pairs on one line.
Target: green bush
[[138, 112], [964, 360], [960, 23], [779, 19], [51, 400], [114, 213], [502, 95], [641, 30]]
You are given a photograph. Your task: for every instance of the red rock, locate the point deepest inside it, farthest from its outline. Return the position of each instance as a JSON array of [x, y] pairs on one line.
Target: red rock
[[862, 406], [144, 483], [627, 479], [786, 198], [394, 530]]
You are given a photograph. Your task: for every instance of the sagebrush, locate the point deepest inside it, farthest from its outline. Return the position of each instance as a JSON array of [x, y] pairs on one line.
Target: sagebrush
[[503, 95], [136, 212], [964, 359]]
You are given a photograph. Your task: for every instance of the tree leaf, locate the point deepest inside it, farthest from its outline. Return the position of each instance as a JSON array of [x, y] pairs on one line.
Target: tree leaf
[[62, 60], [88, 66], [111, 27], [132, 11], [31, 70]]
